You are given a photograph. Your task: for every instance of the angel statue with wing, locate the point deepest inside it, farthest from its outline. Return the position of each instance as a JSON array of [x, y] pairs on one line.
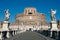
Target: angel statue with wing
[[53, 12], [7, 15]]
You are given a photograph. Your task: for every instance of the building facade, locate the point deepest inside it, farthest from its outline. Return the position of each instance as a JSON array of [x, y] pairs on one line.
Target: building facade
[[30, 19]]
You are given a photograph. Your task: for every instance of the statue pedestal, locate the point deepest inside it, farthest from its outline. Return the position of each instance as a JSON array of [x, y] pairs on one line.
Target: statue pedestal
[[5, 26], [54, 26]]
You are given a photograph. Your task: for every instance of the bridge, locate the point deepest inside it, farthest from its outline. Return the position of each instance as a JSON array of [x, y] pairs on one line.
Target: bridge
[[29, 35]]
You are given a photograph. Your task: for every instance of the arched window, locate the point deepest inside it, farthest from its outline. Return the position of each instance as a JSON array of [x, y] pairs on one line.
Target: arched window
[[29, 12]]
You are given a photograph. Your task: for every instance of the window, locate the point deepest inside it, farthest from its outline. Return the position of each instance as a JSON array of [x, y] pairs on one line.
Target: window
[[29, 13]]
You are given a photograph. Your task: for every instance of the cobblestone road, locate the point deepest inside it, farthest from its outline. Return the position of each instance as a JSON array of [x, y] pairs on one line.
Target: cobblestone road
[[29, 36]]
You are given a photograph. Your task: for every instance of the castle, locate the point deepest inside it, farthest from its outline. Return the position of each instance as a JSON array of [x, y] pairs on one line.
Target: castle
[[30, 19]]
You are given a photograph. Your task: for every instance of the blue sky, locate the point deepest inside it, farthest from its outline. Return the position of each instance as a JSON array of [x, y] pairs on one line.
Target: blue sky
[[17, 6]]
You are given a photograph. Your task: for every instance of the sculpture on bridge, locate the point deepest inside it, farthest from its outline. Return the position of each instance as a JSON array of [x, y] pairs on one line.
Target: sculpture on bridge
[[7, 15], [53, 12]]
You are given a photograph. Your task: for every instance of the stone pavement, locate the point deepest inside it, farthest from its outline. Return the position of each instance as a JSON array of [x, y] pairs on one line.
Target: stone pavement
[[29, 35]]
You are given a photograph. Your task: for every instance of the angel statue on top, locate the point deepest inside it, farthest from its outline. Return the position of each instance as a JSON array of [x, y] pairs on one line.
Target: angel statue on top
[[53, 12], [7, 15]]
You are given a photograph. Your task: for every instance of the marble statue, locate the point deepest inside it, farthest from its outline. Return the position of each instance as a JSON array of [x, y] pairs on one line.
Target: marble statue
[[7, 15], [53, 12]]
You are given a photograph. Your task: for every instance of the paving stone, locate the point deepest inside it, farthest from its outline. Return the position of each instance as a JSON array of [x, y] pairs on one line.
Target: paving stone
[[29, 35]]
